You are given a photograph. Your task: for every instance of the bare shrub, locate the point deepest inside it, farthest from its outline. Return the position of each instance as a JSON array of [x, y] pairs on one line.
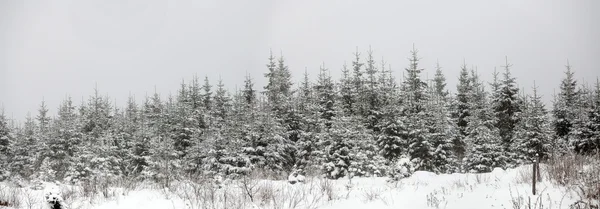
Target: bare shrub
[[564, 169], [579, 173], [9, 197], [30, 199], [370, 195], [249, 186], [517, 202], [524, 175], [437, 199], [326, 187], [459, 183]]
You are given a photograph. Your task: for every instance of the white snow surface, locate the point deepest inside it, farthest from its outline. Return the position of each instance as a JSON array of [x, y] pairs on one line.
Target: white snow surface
[[498, 189]]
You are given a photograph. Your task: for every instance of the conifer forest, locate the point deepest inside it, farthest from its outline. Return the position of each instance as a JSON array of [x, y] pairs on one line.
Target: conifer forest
[[360, 124]]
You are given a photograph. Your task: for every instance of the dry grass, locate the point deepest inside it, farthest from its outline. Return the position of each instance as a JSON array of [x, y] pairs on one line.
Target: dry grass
[[251, 192], [10, 196], [524, 175], [437, 198], [581, 174]]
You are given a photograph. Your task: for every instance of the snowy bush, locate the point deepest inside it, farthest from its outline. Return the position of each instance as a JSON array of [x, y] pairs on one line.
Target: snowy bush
[[403, 168]]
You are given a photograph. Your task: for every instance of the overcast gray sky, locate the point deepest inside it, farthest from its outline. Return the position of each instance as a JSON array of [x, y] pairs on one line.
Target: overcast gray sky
[[49, 49]]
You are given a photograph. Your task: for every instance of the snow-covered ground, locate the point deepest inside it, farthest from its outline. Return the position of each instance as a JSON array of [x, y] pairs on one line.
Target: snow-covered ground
[[498, 189]]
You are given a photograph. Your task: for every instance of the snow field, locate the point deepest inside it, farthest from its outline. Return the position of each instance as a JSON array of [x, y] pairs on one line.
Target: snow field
[[509, 189]]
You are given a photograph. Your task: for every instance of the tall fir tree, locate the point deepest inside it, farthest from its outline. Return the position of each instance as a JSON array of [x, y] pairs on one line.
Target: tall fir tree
[[534, 139], [440, 83], [461, 111], [66, 145], [506, 111], [565, 105], [592, 144], [420, 147], [372, 96], [6, 139], [485, 151], [24, 148], [584, 134], [345, 90], [358, 85]]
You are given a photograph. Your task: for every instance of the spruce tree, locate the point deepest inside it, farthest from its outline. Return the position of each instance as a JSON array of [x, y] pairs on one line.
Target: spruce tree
[[358, 86], [66, 145], [345, 90], [222, 107], [593, 125], [326, 97], [24, 149], [442, 128], [420, 147], [584, 132], [565, 105], [506, 111], [6, 139], [440, 83], [337, 161], [462, 110], [485, 152], [372, 96], [535, 139]]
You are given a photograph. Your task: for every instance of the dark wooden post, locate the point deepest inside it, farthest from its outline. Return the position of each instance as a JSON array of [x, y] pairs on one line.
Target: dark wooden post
[[534, 175], [539, 176]]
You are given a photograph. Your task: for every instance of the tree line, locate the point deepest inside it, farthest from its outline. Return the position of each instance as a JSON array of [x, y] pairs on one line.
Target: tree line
[[360, 124]]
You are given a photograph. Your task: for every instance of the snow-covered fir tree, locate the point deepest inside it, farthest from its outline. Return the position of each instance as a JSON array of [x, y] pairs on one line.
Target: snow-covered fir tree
[[65, 147], [462, 108], [23, 149], [565, 105], [372, 94], [506, 110], [420, 148], [6, 138], [279, 94], [442, 128], [534, 131], [359, 107], [439, 83], [345, 91], [592, 126], [485, 150], [583, 136]]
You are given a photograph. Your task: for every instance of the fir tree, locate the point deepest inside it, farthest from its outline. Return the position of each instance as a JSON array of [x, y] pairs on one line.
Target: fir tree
[[222, 105], [565, 105], [441, 131], [66, 144], [535, 139], [419, 148], [345, 90], [486, 152], [337, 162], [593, 125], [358, 86], [506, 111], [43, 118], [372, 95], [584, 132], [207, 97], [183, 129], [462, 110], [24, 149], [325, 97], [6, 139], [440, 83]]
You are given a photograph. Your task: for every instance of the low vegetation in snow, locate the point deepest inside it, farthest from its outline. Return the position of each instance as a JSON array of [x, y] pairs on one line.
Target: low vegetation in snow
[[572, 182]]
